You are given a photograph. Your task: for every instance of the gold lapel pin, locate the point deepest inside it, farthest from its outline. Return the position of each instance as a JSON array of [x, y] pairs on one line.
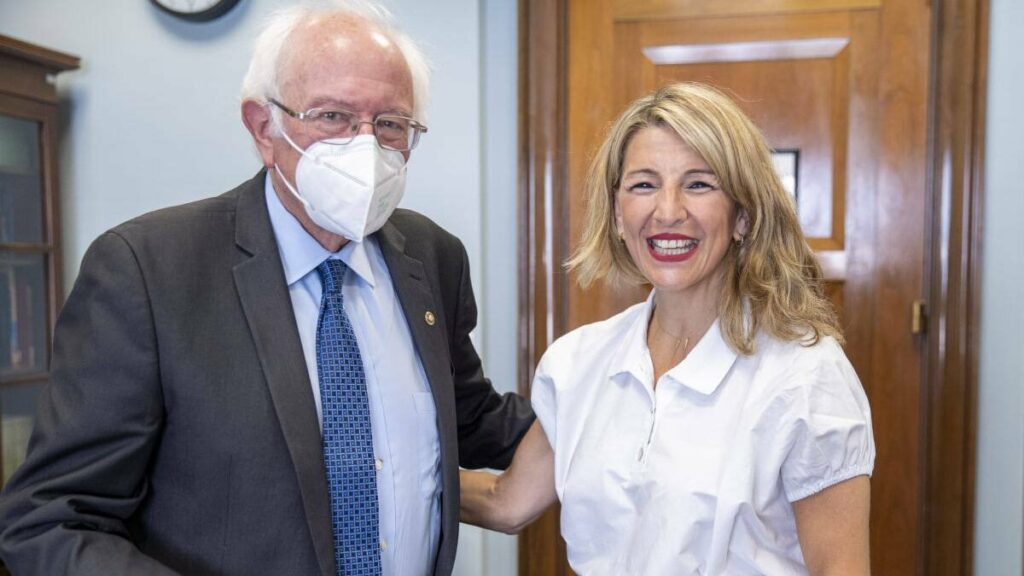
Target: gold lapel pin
[[429, 317]]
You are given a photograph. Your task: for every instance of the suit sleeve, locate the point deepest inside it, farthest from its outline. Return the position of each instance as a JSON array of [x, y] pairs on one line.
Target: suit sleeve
[[65, 510], [490, 424]]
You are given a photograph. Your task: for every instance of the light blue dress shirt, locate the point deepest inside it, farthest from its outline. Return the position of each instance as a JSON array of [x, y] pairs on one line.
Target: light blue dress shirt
[[405, 436]]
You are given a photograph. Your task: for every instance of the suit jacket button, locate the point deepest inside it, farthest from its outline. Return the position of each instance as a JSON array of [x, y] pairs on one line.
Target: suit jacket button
[[429, 318]]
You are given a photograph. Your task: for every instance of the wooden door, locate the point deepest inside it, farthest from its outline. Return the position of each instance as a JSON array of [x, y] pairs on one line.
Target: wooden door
[[842, 83]]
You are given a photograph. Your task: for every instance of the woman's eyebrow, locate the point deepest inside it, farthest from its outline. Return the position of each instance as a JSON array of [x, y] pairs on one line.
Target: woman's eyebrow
[[707, 171], [641, 172]]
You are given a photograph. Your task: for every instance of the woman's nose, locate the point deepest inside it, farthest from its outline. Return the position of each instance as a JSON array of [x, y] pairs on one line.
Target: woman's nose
[[670, 207]]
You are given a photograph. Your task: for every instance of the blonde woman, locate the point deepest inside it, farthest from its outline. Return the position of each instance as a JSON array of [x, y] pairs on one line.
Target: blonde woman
[[718, 427]]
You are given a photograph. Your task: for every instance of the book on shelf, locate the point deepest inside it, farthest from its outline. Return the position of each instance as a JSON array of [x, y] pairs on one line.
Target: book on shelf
[[26, 323], [21, 314]]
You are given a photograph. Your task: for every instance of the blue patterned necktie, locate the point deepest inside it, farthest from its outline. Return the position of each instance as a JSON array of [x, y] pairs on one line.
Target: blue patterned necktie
[[347, 436]]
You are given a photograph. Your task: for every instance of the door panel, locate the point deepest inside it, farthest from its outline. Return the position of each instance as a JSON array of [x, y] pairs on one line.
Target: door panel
[[659, 9]]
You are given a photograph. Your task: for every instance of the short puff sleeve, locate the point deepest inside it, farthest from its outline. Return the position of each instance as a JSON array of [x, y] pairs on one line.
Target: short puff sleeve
[[828, 423], [543, 399]]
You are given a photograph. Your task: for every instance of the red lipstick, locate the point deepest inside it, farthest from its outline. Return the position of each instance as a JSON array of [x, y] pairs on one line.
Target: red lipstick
[[667, 247]]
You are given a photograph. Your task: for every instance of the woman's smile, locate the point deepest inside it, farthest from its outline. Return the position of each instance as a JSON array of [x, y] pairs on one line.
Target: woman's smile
[[671, 247]]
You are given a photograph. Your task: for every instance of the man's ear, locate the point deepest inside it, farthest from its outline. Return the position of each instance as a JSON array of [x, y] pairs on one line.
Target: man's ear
[[257, 119]]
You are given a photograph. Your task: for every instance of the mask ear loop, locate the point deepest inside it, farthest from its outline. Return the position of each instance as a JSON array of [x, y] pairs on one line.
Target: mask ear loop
[[291, 188], [305, 203]]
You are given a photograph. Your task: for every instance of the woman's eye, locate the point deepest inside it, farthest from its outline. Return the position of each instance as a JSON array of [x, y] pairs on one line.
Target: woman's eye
[[640, 187], [699, 185]]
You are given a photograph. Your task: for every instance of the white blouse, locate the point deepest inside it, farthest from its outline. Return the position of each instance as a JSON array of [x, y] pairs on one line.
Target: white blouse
[[695, 476]]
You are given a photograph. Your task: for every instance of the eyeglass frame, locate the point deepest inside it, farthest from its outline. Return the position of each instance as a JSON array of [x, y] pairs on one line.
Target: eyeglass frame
[[418, 128]]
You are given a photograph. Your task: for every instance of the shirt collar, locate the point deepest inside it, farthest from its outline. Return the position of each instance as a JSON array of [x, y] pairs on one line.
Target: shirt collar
[[703, 369], [301, 253], [706, 366], [632, 356]]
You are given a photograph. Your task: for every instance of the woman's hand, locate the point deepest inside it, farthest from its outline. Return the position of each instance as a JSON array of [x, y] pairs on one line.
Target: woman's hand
[[832, 526], [511, 501]]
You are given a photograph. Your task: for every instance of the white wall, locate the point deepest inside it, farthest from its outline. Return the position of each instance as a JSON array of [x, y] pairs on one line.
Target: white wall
[[999, 492], [152, 120]]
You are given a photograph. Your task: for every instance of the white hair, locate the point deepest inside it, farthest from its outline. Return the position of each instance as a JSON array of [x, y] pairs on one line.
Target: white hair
[[261, 80]]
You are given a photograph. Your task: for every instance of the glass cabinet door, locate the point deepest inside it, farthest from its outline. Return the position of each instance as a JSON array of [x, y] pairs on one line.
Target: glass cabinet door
[[21, 181], [25, 253]]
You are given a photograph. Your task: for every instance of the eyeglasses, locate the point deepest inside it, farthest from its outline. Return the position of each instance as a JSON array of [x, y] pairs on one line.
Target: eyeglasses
[[392, 131]]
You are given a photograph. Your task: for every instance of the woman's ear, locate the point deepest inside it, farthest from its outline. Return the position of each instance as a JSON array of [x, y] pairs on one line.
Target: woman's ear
[[742, 226], [618, 219]]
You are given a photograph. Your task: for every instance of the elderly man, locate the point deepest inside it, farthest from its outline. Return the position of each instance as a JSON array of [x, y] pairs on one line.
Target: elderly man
[[278, 380]]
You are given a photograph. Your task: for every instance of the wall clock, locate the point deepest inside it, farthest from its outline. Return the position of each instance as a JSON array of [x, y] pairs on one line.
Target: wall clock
[[195, 10]]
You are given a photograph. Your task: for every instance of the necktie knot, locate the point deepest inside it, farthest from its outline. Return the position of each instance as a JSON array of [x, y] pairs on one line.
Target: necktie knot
[[332, 273]]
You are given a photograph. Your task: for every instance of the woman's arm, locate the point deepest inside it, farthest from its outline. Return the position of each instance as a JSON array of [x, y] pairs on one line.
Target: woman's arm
[[832, 526], [509, 502]]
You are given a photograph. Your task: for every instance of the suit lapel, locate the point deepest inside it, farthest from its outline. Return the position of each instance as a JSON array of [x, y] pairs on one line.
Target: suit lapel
[[267, 306], [426, 320]]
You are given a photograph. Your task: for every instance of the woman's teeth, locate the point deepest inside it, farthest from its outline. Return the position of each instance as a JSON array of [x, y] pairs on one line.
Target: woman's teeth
[[673, 247]]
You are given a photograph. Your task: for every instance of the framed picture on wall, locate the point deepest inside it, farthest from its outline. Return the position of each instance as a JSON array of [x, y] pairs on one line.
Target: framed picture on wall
[[787, 163]]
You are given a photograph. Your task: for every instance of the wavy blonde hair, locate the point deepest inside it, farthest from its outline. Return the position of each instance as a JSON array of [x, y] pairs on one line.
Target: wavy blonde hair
[[773, 281]]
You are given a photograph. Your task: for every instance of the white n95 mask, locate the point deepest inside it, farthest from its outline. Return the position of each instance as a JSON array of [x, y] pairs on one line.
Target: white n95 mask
[[348, 189]]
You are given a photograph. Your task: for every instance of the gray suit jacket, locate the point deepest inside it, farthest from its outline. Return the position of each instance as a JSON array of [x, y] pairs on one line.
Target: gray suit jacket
[[179, 431]]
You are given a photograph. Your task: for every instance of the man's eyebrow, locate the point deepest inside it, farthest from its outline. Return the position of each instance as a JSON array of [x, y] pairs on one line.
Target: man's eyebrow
[[321, 101], [332, 102]]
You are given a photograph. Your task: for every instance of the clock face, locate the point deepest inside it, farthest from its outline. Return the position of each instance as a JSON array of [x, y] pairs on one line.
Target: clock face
[[196, 10]]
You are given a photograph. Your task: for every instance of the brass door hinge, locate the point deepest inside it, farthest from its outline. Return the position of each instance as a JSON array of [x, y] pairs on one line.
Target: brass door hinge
[[918, 317]]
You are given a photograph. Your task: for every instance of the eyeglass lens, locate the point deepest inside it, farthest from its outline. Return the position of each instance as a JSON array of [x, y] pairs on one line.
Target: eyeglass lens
[[394, 132]]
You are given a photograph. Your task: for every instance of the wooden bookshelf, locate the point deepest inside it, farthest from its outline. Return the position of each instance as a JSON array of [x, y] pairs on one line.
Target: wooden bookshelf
[[30, 257]]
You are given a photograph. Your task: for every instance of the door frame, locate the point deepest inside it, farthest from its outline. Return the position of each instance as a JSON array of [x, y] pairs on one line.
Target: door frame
[[959, 87], [952, 291]]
